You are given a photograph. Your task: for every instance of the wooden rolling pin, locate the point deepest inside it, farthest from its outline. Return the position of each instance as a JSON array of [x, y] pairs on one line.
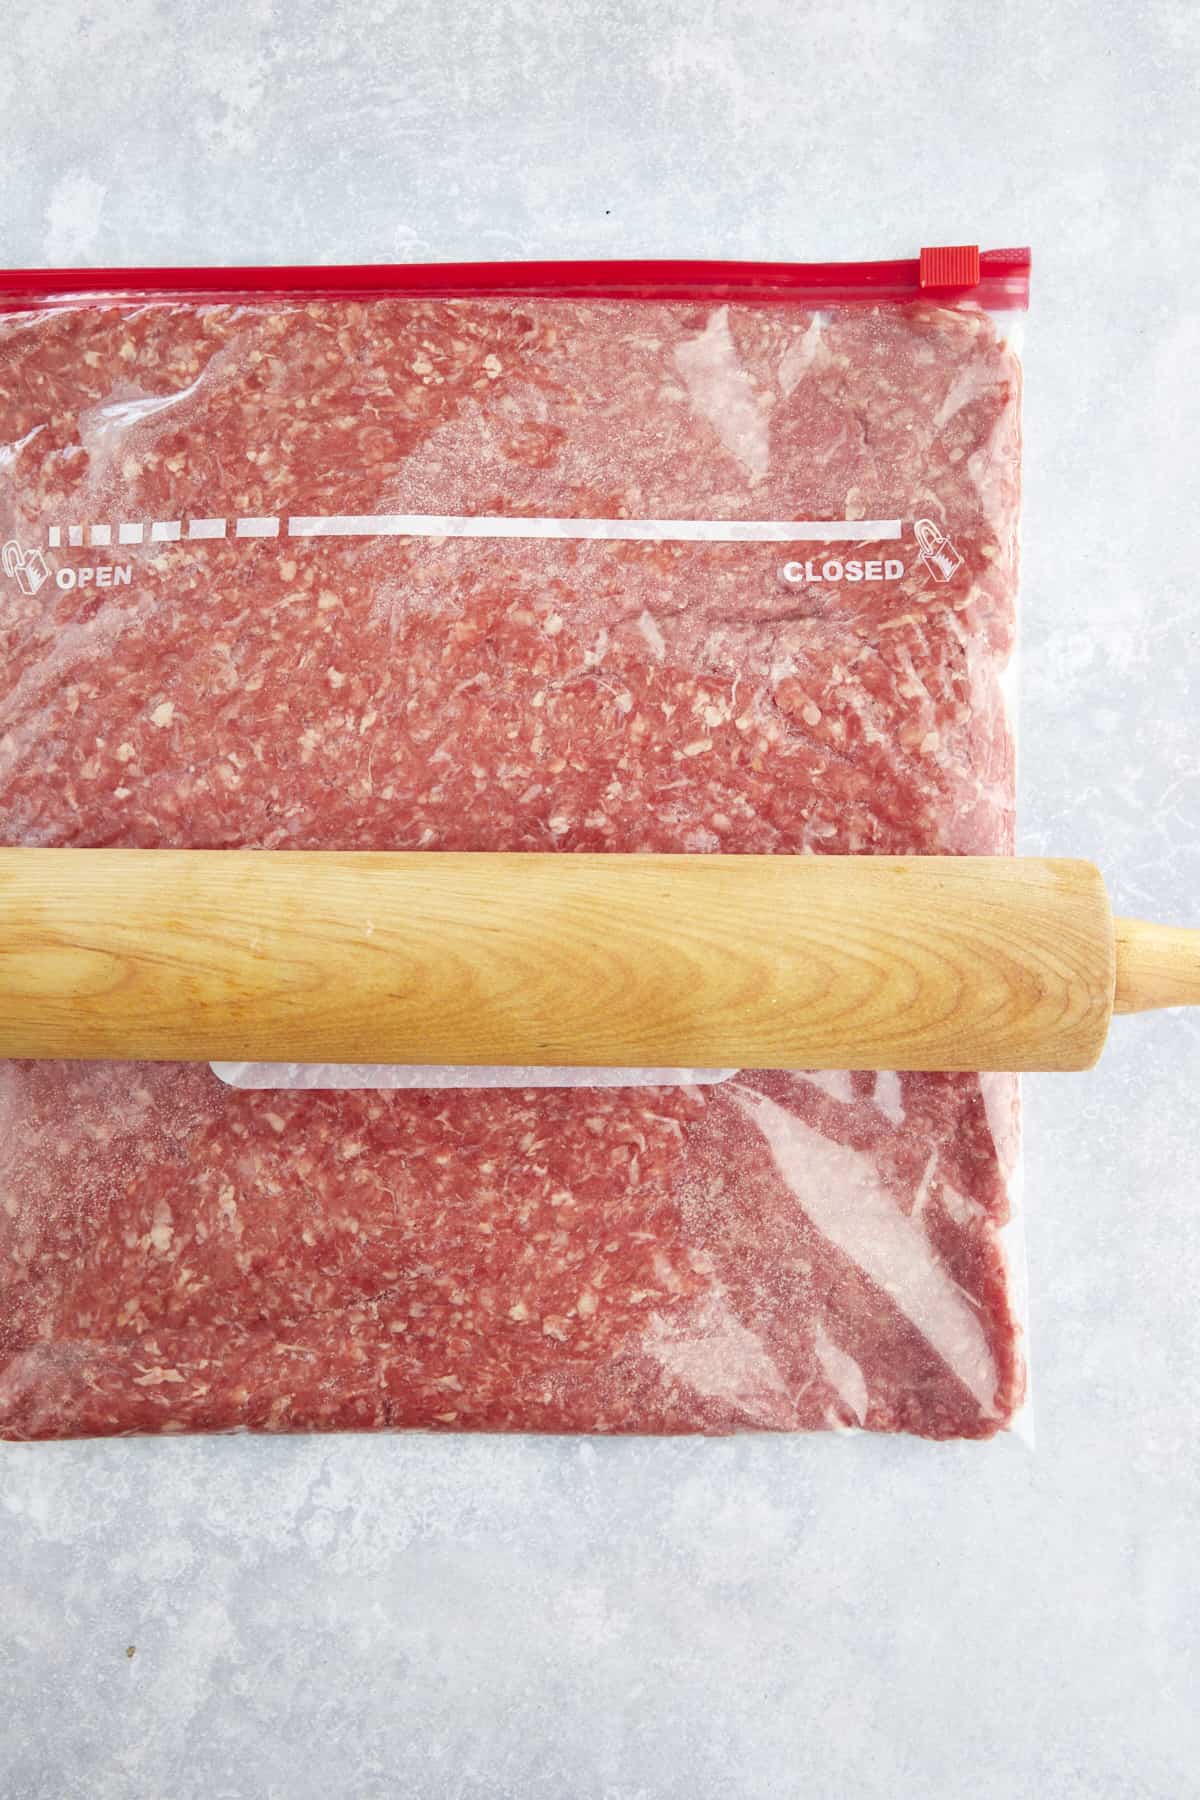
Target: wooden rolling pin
[[671, 961]]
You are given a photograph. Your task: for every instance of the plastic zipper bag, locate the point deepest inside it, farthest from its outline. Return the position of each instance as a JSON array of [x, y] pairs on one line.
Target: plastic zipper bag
[[615, 557]]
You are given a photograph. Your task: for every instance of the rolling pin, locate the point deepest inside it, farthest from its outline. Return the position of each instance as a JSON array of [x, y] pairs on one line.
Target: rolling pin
[[524, 959]]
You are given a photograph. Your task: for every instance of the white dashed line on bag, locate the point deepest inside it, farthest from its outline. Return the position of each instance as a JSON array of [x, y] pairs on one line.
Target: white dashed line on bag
[[471, 525]]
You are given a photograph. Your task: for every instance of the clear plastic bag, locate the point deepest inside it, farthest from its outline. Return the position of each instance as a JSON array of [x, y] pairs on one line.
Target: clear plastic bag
[[601, 557]]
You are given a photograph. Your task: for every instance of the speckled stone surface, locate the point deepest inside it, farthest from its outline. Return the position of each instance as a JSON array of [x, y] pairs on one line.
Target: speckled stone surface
[[844, 1617]]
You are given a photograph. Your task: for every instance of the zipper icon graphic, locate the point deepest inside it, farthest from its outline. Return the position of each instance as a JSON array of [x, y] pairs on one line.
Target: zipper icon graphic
[[939, 555], [26, 567]]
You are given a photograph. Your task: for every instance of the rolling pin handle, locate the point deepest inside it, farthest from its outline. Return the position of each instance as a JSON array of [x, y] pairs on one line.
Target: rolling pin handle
[[1157, 965]]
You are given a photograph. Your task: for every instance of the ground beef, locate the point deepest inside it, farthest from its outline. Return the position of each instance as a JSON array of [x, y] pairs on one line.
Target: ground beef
[[781, 1251]]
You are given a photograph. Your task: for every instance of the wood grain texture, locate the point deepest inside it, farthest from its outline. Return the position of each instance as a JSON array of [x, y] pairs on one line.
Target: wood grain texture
[[792, 962], [1157, 965]]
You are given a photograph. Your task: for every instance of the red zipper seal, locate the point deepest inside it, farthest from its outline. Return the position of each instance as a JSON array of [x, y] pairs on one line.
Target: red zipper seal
[[1001, 280]]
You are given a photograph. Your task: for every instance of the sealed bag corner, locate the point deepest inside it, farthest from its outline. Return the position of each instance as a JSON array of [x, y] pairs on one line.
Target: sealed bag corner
[[615, 557]]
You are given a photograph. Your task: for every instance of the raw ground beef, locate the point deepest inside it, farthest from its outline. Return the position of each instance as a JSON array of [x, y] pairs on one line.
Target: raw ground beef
[[781, 1251]]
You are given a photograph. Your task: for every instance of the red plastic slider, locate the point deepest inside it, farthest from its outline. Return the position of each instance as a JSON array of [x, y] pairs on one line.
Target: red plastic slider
[[950, 266]]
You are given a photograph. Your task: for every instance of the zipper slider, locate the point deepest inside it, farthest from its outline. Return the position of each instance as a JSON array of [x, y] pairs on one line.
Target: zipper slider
[[950, 266]]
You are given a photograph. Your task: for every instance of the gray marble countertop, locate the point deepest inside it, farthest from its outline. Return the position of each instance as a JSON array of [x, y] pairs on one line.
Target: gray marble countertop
[[475, 1618]]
